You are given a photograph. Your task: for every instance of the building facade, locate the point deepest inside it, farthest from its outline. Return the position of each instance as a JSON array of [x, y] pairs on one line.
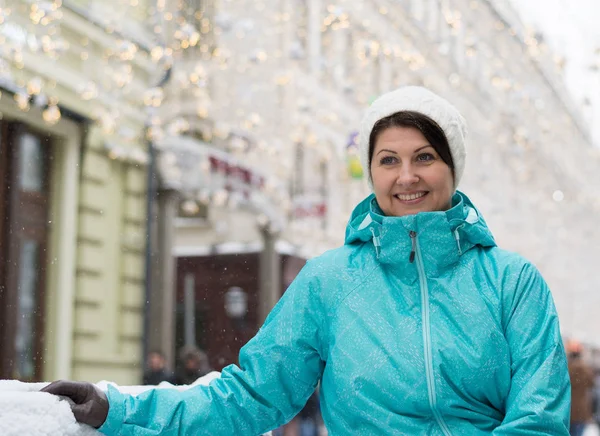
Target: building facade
[[73, 159]]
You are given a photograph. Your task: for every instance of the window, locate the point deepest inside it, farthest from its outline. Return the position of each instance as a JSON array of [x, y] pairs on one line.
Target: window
[[299, 46], [298, 176], [193, 10]]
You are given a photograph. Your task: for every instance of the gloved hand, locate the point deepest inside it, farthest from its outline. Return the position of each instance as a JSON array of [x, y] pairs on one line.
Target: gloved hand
[[90, 405]]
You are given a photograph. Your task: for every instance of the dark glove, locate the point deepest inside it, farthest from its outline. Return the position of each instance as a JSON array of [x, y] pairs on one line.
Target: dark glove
[[89, 404]]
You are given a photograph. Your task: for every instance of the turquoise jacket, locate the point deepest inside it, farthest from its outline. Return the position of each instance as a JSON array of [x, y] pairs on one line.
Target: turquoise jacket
[[417, 325]]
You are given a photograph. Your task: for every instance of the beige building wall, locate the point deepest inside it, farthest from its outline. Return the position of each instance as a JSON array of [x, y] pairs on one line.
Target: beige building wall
[[110, 269], [95, 300]]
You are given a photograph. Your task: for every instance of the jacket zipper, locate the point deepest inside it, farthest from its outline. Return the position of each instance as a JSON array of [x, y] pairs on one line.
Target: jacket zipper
[[416, 252]]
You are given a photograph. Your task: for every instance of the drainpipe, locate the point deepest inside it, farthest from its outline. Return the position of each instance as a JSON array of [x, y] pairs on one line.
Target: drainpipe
[[150, 196]]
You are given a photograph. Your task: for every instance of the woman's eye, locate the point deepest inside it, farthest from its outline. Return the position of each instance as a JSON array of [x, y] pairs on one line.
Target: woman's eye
[[387, 160], [425, 157]]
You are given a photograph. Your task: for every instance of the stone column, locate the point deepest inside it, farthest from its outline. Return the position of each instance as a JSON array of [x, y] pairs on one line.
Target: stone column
[[269, 272], [162, 299]]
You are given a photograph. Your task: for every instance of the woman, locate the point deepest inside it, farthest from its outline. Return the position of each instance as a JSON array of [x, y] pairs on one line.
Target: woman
[[419, 324]]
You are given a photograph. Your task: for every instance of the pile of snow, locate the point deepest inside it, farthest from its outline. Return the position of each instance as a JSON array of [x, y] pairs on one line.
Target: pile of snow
[[24, 411]]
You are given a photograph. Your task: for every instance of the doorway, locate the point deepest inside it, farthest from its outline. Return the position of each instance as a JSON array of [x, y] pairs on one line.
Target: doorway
[[25, 162]]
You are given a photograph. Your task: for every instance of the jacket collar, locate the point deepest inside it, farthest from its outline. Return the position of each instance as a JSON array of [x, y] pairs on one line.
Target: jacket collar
[[442, 236]]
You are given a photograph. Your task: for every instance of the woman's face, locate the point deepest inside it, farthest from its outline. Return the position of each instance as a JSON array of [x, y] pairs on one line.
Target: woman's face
[[408, 175]]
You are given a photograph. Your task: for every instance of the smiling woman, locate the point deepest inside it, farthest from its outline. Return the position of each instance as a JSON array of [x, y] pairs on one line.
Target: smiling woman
[[419, 324]]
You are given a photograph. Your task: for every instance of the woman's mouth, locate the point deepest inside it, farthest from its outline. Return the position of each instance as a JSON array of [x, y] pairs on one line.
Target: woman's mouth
[[412, 198]]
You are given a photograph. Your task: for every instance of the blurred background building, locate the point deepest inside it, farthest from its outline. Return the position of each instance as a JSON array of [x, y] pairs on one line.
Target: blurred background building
[[168, 166], [572, 34]]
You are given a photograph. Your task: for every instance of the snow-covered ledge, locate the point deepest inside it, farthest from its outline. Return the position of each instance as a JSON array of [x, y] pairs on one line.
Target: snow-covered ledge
[[26, 411]]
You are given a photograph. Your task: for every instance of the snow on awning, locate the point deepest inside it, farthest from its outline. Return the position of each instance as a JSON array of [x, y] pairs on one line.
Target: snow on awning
[[281, 247]]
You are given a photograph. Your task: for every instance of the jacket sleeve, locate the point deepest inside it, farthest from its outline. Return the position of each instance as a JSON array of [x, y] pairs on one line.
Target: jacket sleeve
[[278, 370], [540, 393]]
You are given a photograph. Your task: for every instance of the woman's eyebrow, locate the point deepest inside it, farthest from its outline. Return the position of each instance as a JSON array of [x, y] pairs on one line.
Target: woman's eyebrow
[[393, 152], [421, 148]]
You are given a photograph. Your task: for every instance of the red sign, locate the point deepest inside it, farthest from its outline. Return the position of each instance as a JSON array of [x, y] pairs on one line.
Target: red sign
[[236, 177], [315, 211]]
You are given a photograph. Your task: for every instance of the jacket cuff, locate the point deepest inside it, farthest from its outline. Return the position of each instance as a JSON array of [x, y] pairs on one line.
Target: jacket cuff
[[116, 412]]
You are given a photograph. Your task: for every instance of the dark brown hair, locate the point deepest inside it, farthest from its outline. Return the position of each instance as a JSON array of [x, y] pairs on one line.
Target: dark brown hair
[[428, 127]]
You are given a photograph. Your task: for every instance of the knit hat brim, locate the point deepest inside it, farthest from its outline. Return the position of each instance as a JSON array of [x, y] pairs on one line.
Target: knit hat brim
[[423, 101]]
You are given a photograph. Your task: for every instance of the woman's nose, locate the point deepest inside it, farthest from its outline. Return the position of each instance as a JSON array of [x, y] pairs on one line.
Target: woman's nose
[[407, 176]]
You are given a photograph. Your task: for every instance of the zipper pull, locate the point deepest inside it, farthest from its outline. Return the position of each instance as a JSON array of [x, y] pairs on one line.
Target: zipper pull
[[413, 237]]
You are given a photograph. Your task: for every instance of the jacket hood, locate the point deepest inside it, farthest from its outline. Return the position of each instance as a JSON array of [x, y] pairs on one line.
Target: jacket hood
[[443, 236]]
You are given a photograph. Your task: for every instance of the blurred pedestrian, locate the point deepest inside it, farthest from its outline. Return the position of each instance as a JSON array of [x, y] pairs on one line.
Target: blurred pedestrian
[[419, 324], [596, 396], [310, 416], [306, 423], [582, 384], [193, 364], [156, 369]]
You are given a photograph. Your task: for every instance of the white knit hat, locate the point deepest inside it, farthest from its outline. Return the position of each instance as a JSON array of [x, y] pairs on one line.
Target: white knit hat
[[423, 101]]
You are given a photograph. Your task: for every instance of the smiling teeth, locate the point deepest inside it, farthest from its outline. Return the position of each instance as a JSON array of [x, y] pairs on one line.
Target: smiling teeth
[[410, 196]]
